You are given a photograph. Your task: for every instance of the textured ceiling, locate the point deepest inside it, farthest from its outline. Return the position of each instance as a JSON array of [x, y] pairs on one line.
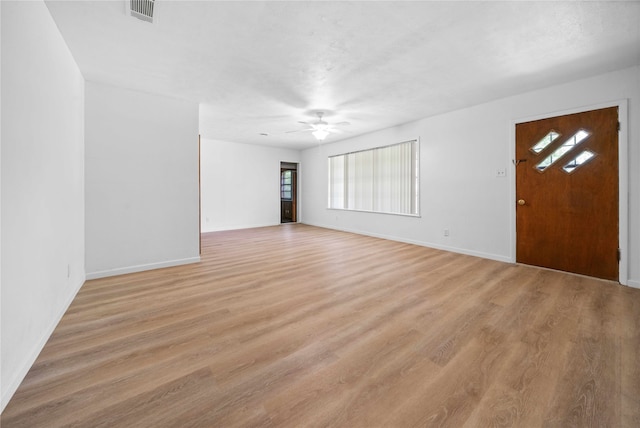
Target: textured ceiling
[[260, 67]]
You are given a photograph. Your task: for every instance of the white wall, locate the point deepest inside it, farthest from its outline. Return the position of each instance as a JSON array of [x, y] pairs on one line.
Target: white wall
[[240, 184], [42, 185], [460, 153], [2, 391], [141, 181]]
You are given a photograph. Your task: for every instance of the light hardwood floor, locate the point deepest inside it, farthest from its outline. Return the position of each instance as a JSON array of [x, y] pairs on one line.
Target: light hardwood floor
[[298, 326]]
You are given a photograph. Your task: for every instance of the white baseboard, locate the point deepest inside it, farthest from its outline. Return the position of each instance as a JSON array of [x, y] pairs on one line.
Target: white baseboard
[[465, 251], [632, 283], [13, 384], [238, 227], [497, 257], [141, 268]]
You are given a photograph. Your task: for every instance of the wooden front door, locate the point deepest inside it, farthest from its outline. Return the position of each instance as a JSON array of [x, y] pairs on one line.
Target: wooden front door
[[567, 193]]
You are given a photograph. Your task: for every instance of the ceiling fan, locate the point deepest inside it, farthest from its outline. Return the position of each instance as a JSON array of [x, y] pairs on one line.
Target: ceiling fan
[[320, 129]]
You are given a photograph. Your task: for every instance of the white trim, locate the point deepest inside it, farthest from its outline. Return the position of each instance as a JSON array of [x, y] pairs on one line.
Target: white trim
[[458, 250], [634, 284], [141, 268], [299, 200], [623, 177], [242, 226], [623, 190], [374, 212], [14, 383]]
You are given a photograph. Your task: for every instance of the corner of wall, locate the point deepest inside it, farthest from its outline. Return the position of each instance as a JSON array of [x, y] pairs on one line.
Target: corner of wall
[[43, 265], [12, 385], [633, 284]]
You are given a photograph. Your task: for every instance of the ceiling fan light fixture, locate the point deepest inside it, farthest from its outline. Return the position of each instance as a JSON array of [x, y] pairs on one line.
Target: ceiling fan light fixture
[[320, 134]]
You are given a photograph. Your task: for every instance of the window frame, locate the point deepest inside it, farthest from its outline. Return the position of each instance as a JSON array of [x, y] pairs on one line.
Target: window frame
[[415, 196]]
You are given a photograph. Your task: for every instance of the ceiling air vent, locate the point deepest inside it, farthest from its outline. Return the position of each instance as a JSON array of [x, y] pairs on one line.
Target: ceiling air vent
[[141, 9]]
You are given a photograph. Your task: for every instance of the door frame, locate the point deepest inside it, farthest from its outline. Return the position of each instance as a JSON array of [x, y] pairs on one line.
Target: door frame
[[297, 190], [623, 177]]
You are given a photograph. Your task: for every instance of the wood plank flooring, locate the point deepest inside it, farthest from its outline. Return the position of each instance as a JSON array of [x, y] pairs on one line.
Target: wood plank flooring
[[298, 326]]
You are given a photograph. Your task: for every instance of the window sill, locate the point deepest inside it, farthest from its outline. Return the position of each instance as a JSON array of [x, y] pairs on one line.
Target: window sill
[[375, 212]]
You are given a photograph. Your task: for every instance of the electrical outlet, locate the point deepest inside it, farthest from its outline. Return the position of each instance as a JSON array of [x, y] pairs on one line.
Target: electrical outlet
[[446, 232], [501, 172]]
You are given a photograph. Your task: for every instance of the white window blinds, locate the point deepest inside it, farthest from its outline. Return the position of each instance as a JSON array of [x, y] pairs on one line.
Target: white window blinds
[[384, 179]]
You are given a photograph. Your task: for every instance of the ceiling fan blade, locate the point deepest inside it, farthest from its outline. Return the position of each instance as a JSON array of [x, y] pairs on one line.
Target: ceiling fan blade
[[335, 131], [300, 130], [342, 124]]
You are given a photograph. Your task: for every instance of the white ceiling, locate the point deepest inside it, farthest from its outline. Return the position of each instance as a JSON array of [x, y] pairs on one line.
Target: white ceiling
[[260, 67]]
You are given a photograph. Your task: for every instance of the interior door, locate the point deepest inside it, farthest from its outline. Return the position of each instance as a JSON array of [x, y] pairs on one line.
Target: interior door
[[288, 193], [567, 193]]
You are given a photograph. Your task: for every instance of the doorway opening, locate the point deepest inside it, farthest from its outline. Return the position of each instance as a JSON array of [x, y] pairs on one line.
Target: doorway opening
[[288, 192]]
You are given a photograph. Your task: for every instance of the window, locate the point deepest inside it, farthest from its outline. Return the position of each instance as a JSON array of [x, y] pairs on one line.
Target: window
[[286, 189], [542, 144], [384, 180], [579, 160], [567, 146]]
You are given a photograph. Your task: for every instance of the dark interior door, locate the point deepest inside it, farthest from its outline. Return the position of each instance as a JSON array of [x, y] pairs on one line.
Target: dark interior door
[[567, 193]]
